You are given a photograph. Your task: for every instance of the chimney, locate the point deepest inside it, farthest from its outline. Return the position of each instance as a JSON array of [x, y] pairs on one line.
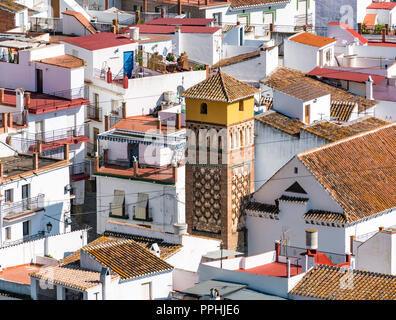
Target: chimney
[[214, 294], [27, 94], [383, 33], [106, 4], [155, 250], [109, 76], [125, 81], [238, 23], [24, 117], [19, 99], [115, 24], [159, 124], [369, 88], [10, 120], [179, 228], [66, 151], [277, 250], [311, 240], [135, 167], [134, 33], [39, 146], [271, 27], [107, 122], [1, 95], [207, 68], [124, 110], [162, 12], [105, 279], [35, 161], [179, 7], [145, 6], [5, 122], [178, 121]]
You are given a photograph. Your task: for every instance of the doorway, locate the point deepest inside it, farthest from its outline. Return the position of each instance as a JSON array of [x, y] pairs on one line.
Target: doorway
[[128, 63], [39, 80], [133, 152]]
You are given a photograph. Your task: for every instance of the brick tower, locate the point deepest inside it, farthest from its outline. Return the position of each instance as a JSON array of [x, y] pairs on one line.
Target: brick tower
[[220, 158]]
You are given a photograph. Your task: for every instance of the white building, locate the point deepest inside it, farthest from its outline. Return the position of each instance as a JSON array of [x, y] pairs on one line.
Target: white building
[[312, 190], [48, 104], [141, 177], [381, 13], [107, 269], [13, 17], [377, 252], [305, 51], [31, 205], [74, 23]]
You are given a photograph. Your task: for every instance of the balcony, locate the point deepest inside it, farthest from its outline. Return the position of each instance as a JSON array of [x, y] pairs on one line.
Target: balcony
[[15, 210], [302, 20], [94, 113], [57, 138], [81, 171]]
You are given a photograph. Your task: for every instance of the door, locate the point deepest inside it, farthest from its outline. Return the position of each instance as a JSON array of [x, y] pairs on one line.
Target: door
[[25, 196], [302, 7], [128, 63], [133, 152], [39, 80], [146, 291], [307, 114], [244, 20], [95, 138], [26, 228]]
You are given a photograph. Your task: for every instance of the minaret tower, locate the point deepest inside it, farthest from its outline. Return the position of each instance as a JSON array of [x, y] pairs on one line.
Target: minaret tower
[[220, 158]]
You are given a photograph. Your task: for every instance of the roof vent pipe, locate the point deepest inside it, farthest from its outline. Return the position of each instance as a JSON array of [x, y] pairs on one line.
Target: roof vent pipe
[[311, 239]]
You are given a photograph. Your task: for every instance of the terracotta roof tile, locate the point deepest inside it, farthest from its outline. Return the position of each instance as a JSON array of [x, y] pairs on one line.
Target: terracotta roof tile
[[303, 90], [262, 207], [369, 20], [312, 39], [64, 61], [220, 87], [321, 215], [358, 172], [382, 5], [98, 41], [283, 76], [253, 3], [281, 122], [11, 6], [326, 282], [81, 19], [342, 110], [293, 199], [127, 258], [237, 59]]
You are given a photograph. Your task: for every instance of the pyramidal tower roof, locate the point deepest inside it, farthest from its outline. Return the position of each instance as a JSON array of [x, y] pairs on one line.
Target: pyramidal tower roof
[[220, 87]]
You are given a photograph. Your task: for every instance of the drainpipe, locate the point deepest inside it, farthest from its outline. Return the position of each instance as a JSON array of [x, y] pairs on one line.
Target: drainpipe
[[1, 95]]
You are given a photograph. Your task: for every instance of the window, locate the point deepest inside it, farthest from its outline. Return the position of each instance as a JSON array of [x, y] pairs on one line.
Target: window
[[8, 233], [146, 291], [295, 170], [117, 207], [114, 107], [217, 17], [9, 195], [26, 228], [25, 191], [328, 56], [204, 108], [241, 105], [307, 114]]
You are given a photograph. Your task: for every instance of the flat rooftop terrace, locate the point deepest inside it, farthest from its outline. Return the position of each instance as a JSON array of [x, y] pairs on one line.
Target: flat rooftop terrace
[[274, 269], [19, 274], [15, 165]]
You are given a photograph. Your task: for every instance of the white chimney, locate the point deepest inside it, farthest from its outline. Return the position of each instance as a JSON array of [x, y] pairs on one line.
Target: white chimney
[[311, 239], [369, 88], [154, 249], [134, 33], [20, 102], [180, 228], [288, 268], [105, 279]]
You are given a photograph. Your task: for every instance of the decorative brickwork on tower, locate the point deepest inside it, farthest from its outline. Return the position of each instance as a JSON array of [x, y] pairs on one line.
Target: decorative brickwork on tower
[[220, 158]]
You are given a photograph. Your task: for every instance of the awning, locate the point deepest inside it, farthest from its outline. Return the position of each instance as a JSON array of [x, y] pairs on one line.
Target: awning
[[141, 206], [116, 206]]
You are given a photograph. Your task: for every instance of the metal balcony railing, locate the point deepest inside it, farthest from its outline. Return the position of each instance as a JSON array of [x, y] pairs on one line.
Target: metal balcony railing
[[14, 208], [59, 134], [94, 113]]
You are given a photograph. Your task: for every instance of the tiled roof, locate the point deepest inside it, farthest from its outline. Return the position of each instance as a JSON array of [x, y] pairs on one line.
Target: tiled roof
[[267, 102], [220, 87], [64, 61], [337, 73], [353, 32], [69, 276], [382, 5], [322, 215], [341, 110], [358, 172], [127, 258], [303, 90], [253, 3], [293, 199], [333, 132], [166, 249], [312, 39], [180, 21], [334, 283], [11, 6], [281, 122], [81, 19], [237, 59], [283, 76], [262, 207], [98, 41]]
